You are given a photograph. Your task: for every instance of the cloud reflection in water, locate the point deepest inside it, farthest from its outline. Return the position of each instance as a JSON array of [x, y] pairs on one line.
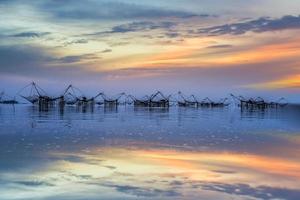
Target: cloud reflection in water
[[144, 157]]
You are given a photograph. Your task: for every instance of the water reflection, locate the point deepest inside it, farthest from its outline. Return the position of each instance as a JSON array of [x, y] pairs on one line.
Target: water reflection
[[136, 153]]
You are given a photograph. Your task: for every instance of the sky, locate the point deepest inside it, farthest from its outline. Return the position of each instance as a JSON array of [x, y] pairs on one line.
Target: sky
[[202, 47]]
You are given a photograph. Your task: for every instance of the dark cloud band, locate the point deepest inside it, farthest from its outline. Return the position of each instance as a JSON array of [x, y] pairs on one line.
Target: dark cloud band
[[258, 25]]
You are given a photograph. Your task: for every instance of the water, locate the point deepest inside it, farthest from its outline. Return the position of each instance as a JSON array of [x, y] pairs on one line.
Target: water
[[130, 153]]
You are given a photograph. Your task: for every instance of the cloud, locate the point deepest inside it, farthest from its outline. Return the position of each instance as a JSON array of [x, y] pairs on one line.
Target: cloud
[[110, 167], [222, 46], [35, 61], [259, 25], [138, 73], [224, 171], [142, 26], [227, 74], [137, 27], [79, 41], [24, 57], [106, 10], [30, 34], [172, 34], [106, 51], [78, 58], [260, 192], [33, 183], [288, 82], [116, 44], [72, 158], [18, 58], [143, 192]]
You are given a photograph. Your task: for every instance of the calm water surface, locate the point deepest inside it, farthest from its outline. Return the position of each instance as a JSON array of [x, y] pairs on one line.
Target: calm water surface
[[131, 153]]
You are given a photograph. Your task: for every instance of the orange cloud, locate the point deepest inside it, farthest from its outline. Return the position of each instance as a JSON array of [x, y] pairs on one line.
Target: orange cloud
[[237, 51], [292, 81], [207, 166], [194, 160], [193, 52]]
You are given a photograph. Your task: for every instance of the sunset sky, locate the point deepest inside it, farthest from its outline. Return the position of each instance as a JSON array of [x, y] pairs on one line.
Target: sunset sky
[[205, 47]]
